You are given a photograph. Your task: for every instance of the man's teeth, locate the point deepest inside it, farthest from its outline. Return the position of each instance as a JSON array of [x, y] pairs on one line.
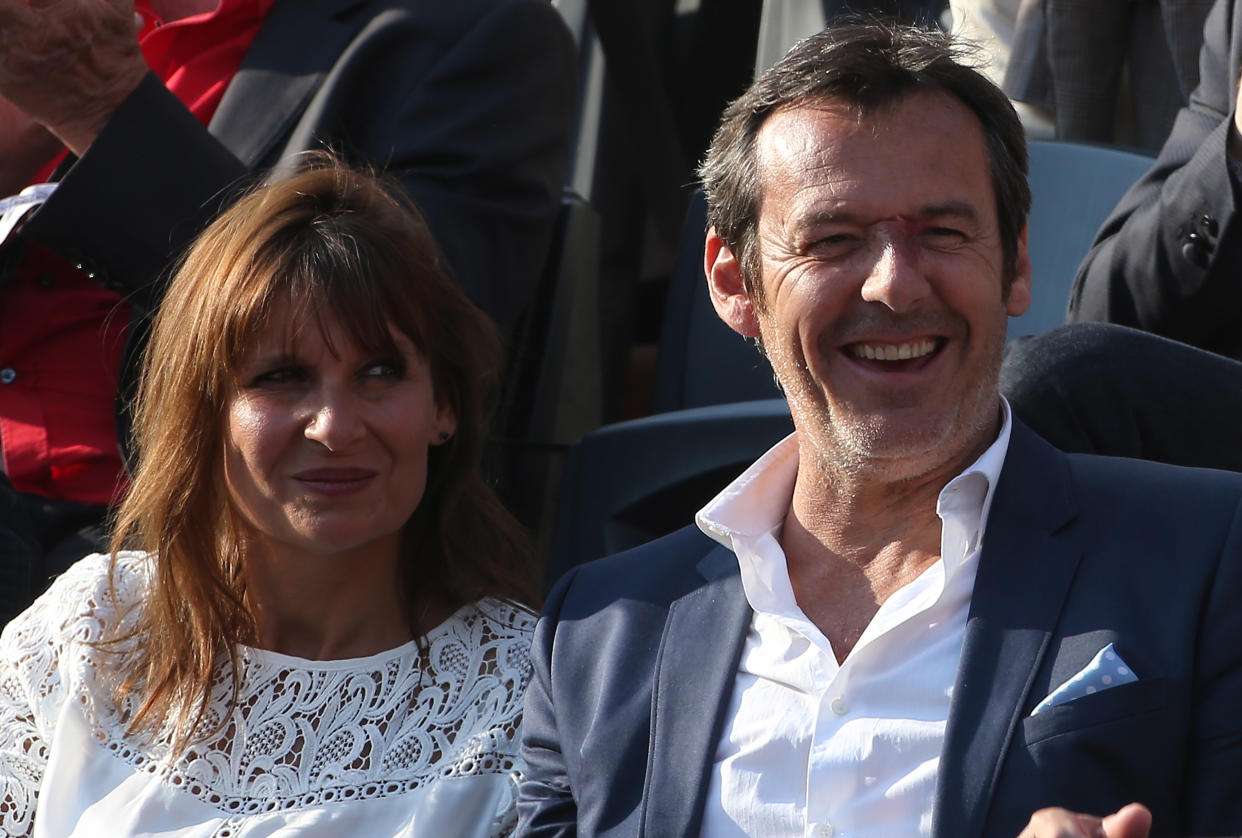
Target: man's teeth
[[893, 352]]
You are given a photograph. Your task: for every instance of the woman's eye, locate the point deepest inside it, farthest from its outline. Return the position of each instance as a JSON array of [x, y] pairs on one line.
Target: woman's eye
[[388, 369], [277, 377]]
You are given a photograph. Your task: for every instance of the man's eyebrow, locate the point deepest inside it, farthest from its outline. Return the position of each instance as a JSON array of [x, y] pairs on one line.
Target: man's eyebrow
[[952, 209], [828, 216], [959, 209]]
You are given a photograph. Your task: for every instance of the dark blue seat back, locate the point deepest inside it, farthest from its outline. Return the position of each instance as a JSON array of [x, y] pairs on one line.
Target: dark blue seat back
[[628, 483]]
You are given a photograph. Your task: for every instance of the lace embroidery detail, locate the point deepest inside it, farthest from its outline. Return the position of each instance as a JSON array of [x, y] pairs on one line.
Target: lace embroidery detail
[[303, 733]]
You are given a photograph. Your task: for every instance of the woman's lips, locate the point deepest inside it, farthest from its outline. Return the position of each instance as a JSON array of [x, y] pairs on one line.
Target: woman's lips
[[335, 481]]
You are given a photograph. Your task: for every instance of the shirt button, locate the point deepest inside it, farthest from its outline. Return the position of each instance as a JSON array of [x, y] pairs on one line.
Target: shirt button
[[839, 706], [1195, 251], [8, 375], [823, 830]]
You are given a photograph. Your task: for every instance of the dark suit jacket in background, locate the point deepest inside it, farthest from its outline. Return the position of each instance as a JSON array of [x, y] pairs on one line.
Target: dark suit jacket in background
[[636, 655], [1074, 57], [468, 102], [1169, 258]]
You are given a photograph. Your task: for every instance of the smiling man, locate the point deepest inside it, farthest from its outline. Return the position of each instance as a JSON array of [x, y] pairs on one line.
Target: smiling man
[[912, 617]]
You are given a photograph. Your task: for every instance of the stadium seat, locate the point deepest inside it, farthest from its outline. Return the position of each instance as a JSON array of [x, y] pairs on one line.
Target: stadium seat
[[1074, 186], [627, 483]]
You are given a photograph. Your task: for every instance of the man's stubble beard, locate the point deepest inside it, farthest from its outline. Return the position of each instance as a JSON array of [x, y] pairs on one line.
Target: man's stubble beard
[[857, 446]]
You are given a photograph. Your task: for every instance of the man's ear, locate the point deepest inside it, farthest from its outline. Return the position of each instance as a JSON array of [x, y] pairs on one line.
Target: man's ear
[[724, 284], [1019, 299]]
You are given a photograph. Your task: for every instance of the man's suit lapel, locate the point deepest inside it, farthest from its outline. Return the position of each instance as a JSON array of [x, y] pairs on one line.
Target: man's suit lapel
[[695, 672], [1025, 572], [290, 55]]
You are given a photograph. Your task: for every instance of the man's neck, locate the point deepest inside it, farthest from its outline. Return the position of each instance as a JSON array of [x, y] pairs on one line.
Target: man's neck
[[855, 536], [847, 553]]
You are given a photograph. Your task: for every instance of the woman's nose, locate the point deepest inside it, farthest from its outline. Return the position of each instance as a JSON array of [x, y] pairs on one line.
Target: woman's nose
[[335, 421]]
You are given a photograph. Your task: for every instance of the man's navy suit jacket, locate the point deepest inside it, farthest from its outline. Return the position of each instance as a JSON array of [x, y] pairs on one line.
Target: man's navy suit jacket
[[636, 655]]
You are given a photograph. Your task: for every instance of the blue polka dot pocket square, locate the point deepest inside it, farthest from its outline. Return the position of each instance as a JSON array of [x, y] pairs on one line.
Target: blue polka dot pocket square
[[1106, 670]]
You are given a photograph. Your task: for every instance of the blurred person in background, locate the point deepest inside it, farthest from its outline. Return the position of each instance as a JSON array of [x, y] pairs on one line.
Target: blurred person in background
[[1167, 259], [1106, 71], [1151, 364]]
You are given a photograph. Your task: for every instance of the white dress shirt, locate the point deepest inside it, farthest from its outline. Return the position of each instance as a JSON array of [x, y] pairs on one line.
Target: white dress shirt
[[826, 750]]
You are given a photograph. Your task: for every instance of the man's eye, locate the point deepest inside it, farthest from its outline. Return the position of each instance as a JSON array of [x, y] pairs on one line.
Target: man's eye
[[945, 234], [835, 244]]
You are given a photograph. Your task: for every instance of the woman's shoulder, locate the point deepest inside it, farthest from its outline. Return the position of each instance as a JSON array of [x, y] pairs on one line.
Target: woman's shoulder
[[472, 687], [489, 637], [501, 615], [90, 598], [483, 648], [47, 655]]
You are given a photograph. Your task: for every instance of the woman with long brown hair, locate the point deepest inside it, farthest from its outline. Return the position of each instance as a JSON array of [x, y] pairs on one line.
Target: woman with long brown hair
[[312, 617]]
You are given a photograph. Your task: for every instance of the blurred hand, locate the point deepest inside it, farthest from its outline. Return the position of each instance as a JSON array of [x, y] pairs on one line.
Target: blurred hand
[[1132, 821], [69, 64]]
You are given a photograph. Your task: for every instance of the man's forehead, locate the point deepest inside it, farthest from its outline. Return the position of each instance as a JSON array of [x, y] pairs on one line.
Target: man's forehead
[[807, 129], [808, 125], [890, 149]]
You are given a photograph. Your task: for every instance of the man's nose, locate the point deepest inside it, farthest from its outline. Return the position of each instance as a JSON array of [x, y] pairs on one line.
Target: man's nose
[[896, 279], [335, 420]]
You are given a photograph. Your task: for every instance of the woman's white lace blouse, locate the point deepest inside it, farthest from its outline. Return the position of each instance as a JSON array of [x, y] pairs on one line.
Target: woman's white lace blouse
[[388, 745]]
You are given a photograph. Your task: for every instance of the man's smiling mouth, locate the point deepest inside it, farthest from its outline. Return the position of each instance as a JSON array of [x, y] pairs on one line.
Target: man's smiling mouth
[[894, 351]]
